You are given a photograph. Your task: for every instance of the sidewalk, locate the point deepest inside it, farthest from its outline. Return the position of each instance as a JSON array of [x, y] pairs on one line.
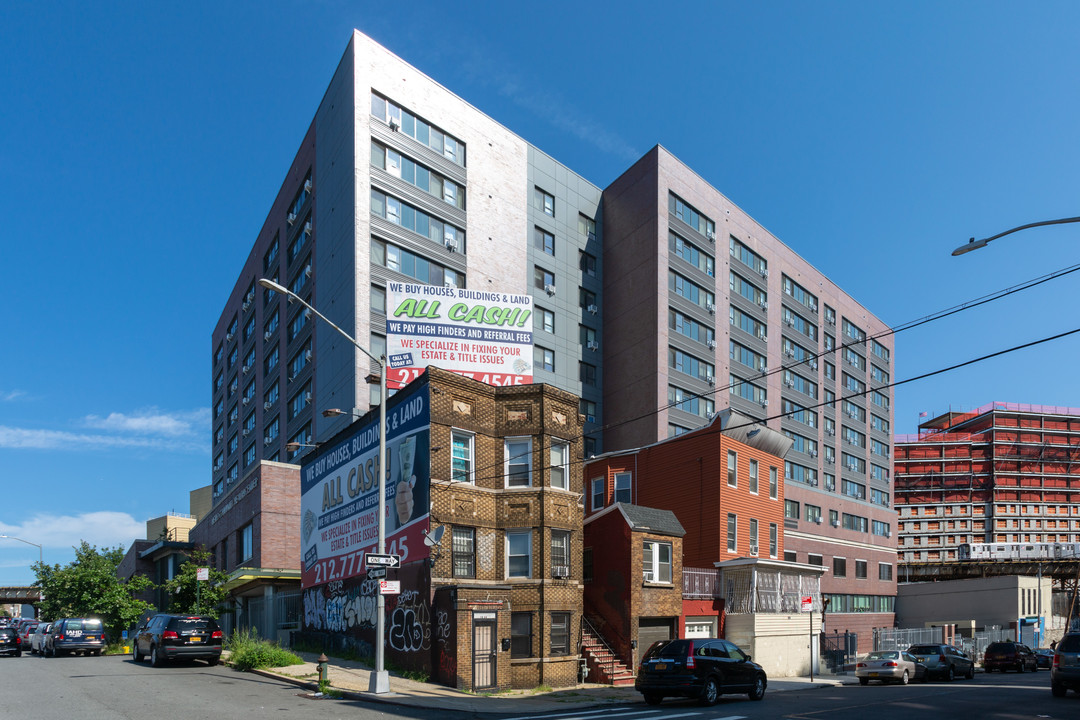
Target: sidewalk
[[351, 679]]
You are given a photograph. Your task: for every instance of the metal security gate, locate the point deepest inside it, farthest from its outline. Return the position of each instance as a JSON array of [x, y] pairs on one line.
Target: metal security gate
[[649, 631], [484, 651]]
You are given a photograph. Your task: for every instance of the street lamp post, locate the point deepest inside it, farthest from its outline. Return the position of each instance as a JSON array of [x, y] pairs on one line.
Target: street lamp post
[[10, 537], [380, 679], [974, 244]]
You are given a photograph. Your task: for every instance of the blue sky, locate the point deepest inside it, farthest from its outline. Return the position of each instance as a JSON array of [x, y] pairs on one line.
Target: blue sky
[[141, 145]]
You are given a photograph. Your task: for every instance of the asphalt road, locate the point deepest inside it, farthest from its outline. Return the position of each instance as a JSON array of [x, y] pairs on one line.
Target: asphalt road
[[114, 687], [111, 688]]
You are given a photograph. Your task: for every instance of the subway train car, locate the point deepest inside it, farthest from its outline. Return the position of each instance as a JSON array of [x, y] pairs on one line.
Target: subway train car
[[1018, 551]]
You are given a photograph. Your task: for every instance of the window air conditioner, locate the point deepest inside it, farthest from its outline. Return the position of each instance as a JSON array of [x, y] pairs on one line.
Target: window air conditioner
[[307, 228], [764, 403], [451, 245], [711, 379], [246, 305], [836, 523], [764, 273], [307, 271], [592, 345], [549, 289], [711, 235], [245, 401], [246, 369], [593, 309], [307, 185], [267, 440], [267, 335], [711, 344], [711, 307], [246, 432], [307, 355], [560, 571], [229, 337], [291, 219], [764, 305], [764, 338], [307, 397]]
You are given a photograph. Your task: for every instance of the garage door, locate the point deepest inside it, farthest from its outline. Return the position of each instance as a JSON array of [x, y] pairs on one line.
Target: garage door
[[650, 630], [701, 627]]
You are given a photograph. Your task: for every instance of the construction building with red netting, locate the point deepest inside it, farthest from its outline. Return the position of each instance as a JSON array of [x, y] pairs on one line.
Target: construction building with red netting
[[1004, 473]]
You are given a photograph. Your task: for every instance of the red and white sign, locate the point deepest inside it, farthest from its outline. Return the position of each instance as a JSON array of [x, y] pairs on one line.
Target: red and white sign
[[202, 574], [390, 587], [486, 336], [807, 603]]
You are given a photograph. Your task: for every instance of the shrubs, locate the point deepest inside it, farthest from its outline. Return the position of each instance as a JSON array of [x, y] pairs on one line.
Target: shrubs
[[249, 652]]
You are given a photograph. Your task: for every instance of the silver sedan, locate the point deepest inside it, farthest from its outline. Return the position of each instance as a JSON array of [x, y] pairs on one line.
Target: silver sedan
[[889, 666]]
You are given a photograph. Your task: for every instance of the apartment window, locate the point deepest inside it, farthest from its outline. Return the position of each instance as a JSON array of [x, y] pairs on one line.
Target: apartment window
[[544, 241], [234, 385], [302, 439], [830, 371], [800, 294], [268, 294], [834, 518], [860, 569], [740, 285], [300, 400], [543, 279], [880, 528], [773, 483], [560, 633], [421, 223], [462, 461], [544, 358], [544, 201], [418, 175], [854, 522], [586, 227], [249, 329], [753, 536], [622, 487], [520, 635], [732, 472], [271, 396], [597, 493], [249, 423], [690, 365], [271, 361], [812, 559], [682, 248], [246, 544], [853, 489], [219, 488], [879, 424], [219, 435], [587, 373], [300, 359], [271, 256], [753, 477], [415, 266], [560, 464], [853, 332], [884, 571], [272, 430], [587, 299], [685, 212], [880, 350], [587, 264], [656, 561], [249, 455], [732, 532], [686, 288], [426, 134], [298, 323], [518, 461], [463, 546], [234, 415], [791, 509], [813, 513], [587, 337], [544, 320], [560, 553], [588, 409], [839, 567], [519, 553], [773, 539]]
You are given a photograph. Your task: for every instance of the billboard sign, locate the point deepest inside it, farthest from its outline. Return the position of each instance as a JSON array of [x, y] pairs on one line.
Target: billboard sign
[[486, 336], [339, 498]]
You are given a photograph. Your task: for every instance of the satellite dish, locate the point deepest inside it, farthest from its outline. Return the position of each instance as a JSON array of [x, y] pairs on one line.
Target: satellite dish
[[433, 537]]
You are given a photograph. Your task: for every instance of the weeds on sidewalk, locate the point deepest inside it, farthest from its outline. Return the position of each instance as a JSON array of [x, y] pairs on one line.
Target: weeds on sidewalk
[[250, 652]]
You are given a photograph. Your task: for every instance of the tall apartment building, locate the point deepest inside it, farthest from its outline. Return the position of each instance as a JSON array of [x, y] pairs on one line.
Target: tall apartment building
[[399, 179], [396, 179], [1005, 473], [738, 319]]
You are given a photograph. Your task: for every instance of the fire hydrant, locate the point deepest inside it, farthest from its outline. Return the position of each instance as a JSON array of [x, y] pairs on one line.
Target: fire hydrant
[[323, 669]]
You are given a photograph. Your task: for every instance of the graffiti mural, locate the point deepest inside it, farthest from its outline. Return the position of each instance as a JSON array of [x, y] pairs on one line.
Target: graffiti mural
[[410, 623], [338, 608], [444, 635]]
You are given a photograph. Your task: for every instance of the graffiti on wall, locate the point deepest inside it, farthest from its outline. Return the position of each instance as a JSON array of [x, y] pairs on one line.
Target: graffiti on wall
[[410, 623], [338, 608]]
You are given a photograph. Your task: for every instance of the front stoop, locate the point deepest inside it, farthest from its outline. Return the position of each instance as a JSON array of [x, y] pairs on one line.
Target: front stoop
[[603, 667]]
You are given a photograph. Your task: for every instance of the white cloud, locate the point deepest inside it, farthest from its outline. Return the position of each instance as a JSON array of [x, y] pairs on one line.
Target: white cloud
[[9, 395], [187, 431], [63, 532], [153, 422]]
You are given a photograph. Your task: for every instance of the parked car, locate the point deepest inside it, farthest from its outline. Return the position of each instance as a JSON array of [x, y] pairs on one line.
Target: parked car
[[1045, 657], [1065, 672], [1004, 656], [944, 661], [37, 640], [75, 635], [174, 637], [701, 668], [26, 630], [10, 642], [890, 666]]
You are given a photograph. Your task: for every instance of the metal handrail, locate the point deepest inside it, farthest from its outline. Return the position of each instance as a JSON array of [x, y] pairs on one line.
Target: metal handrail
[[585, 622]]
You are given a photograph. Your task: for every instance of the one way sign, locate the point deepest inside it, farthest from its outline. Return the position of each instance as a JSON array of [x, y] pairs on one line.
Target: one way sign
[[390, 561]]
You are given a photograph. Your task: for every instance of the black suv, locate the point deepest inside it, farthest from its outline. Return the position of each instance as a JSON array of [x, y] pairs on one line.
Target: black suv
[[1002, 656], [1065, 672], [10, 642], [177, 637], [73, 635], [699, 668]]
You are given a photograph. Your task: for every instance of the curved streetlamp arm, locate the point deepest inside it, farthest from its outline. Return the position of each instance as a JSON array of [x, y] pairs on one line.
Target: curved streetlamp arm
[[12, 537], [974, 244]]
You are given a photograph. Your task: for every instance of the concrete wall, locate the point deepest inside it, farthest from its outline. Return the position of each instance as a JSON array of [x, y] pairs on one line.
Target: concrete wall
[[988, 601], [779, 643]]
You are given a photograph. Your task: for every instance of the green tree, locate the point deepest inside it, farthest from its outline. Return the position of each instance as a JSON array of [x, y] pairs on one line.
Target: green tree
[[88, 587], [193, 596]]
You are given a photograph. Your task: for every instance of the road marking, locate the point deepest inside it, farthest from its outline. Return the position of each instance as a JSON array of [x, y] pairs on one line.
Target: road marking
[[732, 717], [584, 715], [689, 714]]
